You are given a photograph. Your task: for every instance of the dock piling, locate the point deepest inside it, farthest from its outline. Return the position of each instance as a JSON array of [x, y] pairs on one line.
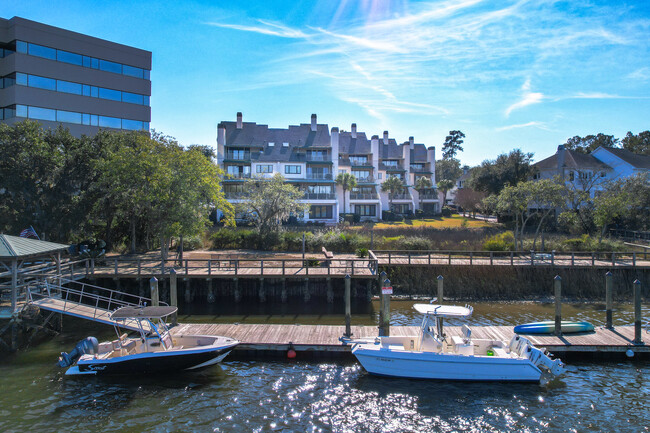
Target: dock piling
[[283, 293], [173, 293], [237, 291], [348, 314], [153, 285], [440, 288], [330, 292], [609, 286], [558, 305], [637, 313], [262, 292], [306, 293], [384, 329], [211, 295]]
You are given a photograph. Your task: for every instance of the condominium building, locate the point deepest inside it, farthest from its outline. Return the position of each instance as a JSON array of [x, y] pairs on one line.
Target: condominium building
[[311, 156], [59, 77]]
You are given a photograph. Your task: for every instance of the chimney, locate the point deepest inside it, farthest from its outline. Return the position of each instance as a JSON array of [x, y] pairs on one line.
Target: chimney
[[374, 149], [334, 144], [385, 137], [561, 155], [411, 141], [239, 120], [221, 142], [354, 130], [313, 122]]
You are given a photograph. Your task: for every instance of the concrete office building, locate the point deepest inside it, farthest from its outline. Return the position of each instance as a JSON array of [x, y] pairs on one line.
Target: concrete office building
[[56, 76], [310, 156]]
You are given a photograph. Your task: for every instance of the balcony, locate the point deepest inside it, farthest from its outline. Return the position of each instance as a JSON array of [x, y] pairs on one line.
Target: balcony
[[318, 158], [423, 170], [391, 167], [319, 176], [367, 179], [238, 175], [428, 196], [319, 196], [363, 196], [401, 196], [237, 156], [235, 195]]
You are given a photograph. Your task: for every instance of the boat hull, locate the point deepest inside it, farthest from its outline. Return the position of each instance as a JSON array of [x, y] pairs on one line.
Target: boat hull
[[445, 366], [153, 362], [568, 327]]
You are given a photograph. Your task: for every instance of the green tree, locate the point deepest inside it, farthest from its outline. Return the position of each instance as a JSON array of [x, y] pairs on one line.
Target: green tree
[[421, 184], [269, 201], [448, 169], [445, 185], [639, 144], [625, 201], [392, 185], [346, 181], [590, 143], [452, 144], [507, 170]]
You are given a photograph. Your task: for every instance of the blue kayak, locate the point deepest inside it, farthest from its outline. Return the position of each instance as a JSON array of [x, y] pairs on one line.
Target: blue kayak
[[568, 327]]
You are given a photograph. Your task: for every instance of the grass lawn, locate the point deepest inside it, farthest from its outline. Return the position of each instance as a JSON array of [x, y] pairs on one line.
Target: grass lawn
[[455, 221]]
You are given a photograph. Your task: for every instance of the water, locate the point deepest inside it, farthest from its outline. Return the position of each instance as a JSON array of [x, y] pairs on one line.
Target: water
[[242, 396]]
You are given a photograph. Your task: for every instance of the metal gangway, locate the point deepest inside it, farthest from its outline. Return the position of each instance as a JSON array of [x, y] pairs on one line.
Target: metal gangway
[[84, 300]]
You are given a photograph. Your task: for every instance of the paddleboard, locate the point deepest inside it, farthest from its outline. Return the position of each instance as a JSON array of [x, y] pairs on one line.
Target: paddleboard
[[568, 327]]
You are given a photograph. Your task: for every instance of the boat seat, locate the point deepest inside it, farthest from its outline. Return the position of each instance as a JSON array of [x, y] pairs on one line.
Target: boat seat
[[129, 346], [116, 344], [467, 334], [500, 352], [457, 341]]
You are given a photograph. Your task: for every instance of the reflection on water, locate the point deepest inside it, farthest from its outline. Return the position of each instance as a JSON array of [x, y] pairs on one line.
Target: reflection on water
[[241, 396]]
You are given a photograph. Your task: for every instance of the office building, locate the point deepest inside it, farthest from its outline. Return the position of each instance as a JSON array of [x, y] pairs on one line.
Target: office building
[[60, 77]]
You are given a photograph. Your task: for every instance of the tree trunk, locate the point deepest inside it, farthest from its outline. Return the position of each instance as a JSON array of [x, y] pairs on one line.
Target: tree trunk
[[132, 250]]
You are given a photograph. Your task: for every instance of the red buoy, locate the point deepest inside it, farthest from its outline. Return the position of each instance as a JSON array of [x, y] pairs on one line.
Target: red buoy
[[291, 354]]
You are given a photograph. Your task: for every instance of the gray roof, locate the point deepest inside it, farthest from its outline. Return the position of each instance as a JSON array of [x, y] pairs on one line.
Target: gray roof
[[14, 246], [634, 159], [572, 159], [392, 150], [419, 153], [354, 146]]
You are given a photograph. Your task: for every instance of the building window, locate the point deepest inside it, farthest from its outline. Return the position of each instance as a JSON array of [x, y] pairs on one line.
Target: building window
[[271, 144], [292, 169], [571, 176], [285, 144], [390, 163], [368, 210], [320, 212], [402, 209], [379, 175], [603, 174], [358, 160], [265, 168]]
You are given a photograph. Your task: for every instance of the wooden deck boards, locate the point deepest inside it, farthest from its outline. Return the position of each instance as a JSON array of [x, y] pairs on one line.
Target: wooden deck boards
[[326, 338]]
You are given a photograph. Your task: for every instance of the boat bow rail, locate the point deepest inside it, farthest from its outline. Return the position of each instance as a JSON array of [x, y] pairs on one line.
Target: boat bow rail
[[84, 300]]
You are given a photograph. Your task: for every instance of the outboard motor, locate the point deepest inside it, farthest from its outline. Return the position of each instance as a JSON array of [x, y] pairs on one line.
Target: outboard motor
[[87, 346]]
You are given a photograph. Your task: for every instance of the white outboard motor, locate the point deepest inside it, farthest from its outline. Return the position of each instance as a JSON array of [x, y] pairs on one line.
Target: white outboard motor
[[87, 346]]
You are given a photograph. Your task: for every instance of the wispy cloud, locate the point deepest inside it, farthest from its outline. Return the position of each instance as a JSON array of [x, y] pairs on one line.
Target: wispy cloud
[[533, 124], [266, 28], [528, 98], [641, 74]]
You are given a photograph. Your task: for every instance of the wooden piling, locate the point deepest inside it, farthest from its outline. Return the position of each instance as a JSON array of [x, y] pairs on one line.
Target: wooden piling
[[211, 295], [609, 286], [637, 313], [558, 305], [262, 291], [153, 285], [380, 283], [440, 288], [384, 330], [306, 294], [188, 291], [348, 314], [330, 292], [173, 293], [237, 292], [283, 294]]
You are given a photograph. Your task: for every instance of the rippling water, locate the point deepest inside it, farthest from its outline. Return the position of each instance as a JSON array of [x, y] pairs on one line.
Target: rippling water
[[243, 396]]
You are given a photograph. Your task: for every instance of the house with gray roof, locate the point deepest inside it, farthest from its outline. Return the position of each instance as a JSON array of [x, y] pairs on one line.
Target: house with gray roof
[[311, 155]]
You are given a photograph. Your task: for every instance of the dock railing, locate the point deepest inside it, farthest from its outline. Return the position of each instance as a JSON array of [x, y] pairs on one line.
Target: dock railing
[[531, 258], [228, 266]]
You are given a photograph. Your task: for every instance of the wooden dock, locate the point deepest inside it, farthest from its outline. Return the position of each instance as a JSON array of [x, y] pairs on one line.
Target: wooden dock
[[316, 341]]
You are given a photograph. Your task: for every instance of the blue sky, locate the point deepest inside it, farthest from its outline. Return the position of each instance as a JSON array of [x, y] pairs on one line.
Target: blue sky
[[510, 74]]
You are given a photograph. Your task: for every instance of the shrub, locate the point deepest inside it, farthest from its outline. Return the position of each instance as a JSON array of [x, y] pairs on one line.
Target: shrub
[[414, 243], [362, 252], [312, 263], [292, 241], [501, 242], [192, 243], [447, 211], [388, 215], [224, 239]]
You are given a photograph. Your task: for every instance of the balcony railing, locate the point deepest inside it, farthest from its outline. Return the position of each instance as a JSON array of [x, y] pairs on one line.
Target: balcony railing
[[319, 196], [367, 179], [316, 158], [389, 167], [319, 176], [238, 175], [419, 170], [238, 156], [428, 196], [363, 196], [360, 161], [235, 195], [401, 196]]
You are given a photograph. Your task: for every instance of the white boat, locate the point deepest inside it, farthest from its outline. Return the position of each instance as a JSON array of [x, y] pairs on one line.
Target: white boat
[[430, 354], [154, 350]]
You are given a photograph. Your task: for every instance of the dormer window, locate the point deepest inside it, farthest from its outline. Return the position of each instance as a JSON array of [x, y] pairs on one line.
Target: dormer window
[[271, 144], [285, 144]]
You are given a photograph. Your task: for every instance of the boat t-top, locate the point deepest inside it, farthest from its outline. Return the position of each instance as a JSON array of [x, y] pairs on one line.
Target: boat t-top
[[431, 354], [153, 350]]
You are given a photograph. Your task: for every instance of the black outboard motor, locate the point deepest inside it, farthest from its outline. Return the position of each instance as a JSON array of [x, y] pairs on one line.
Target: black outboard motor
[[87, 346]]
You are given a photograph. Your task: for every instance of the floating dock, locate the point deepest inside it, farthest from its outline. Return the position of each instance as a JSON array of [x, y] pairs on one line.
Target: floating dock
[[318, 341]]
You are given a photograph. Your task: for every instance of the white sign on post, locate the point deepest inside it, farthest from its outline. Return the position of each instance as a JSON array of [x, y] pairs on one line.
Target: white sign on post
[[386, 290]]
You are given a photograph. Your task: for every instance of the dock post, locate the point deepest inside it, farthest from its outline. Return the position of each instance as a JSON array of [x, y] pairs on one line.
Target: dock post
[[609, 283], [380, 282], [368, 290], [283, 294], [237, 292], [211, 295], [330, 292], [384, 329], [348, 314], [188, 291], [306, 290], [440, 288], [153, 284], [637, 312], [173, 293], [141, 286], [262, 292], [558, 305]]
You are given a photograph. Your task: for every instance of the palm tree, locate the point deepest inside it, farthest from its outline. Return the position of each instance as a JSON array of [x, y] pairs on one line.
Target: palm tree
[[347, 182], [445, 185], [392, 185], [420, 185]]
